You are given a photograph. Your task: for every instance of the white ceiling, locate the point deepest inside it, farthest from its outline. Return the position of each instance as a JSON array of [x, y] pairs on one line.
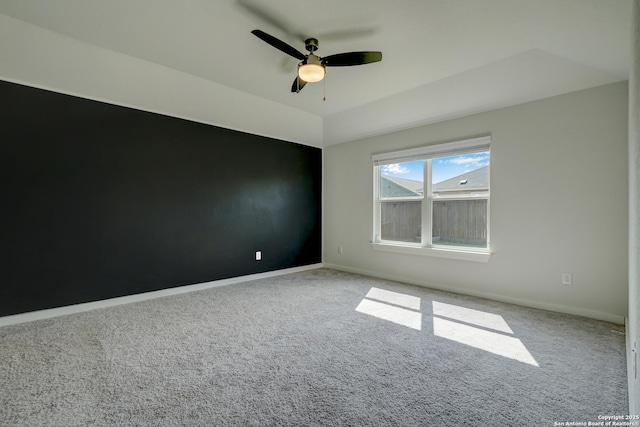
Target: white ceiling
[[441, 58]]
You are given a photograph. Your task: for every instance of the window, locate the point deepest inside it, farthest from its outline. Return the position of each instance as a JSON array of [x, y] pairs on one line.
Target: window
[[434, 200]]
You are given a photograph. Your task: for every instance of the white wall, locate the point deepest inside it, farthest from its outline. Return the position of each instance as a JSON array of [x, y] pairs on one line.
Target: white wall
[[633, 326], [558, 204]]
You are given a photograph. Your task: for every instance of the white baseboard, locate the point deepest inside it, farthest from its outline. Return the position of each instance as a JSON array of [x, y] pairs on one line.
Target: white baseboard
[[78, 308], [576, 311]]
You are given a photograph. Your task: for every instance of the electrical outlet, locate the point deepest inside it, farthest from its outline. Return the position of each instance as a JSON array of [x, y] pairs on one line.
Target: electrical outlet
[[340, 250], [258, 255], [567, 279]]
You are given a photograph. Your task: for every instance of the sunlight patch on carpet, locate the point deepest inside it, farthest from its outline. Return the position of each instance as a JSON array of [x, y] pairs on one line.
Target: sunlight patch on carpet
[[477, 337], [468, 315], [396, 298], [393, 307], [479, 329]]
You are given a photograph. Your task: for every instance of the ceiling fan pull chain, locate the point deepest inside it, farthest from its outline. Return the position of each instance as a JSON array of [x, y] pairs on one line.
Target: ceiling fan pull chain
[[324, 89]]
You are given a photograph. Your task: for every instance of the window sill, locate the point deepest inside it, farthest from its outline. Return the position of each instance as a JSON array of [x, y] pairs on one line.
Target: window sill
[[465, 255]]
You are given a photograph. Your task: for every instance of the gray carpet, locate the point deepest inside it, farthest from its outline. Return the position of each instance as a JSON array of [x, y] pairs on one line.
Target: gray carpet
[[293, 350]]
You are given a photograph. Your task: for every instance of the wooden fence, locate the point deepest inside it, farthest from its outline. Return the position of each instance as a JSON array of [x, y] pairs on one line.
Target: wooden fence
[[455, 222], [401, 221]]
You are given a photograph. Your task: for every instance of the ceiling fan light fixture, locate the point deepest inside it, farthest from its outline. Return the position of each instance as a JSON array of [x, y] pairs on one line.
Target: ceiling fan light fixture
[[311, 69], [311, 73]]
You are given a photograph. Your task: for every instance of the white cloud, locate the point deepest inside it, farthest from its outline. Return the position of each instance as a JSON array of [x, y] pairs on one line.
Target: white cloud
[[470, 161], [394, 168]]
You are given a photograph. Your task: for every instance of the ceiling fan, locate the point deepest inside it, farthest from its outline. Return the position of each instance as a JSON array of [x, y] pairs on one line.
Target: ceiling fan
[[311, 68]]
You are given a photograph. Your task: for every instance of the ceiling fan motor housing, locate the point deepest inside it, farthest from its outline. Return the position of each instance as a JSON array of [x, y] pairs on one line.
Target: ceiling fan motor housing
[[311, 44]]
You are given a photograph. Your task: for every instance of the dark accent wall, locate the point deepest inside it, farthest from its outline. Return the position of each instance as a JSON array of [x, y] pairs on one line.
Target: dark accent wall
[[100, 201]]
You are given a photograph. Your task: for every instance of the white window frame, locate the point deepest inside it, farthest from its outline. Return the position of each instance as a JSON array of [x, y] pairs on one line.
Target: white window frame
[[426, 247]]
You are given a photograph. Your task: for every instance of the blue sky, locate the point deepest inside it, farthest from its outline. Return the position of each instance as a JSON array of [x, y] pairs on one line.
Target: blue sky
[[443, 168]]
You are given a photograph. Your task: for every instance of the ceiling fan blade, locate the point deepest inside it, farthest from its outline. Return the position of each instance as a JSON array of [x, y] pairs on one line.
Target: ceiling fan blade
[[298, 84], [267, 15], [264, 14], [279, 44], [351, 58]]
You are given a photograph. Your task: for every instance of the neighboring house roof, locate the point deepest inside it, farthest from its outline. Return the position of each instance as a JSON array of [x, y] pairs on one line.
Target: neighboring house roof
[[391, 186], [477, 179]]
